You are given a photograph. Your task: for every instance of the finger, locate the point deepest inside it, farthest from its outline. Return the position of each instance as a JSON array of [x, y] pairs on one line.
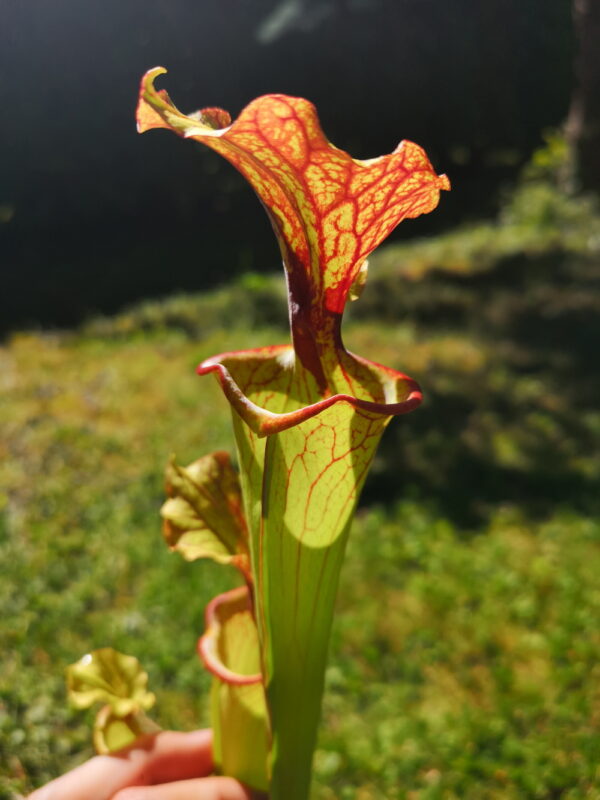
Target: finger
[[168, 755], [176, 756], [199, 789], [97, 779]]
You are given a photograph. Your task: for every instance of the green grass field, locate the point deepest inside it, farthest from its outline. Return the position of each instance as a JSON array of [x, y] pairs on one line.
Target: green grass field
[[465, 660]]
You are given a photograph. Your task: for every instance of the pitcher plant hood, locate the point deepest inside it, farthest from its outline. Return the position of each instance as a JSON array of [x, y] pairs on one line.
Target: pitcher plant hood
[[329, 212]]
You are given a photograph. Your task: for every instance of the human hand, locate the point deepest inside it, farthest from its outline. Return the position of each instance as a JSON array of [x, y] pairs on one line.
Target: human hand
[[167, 766]]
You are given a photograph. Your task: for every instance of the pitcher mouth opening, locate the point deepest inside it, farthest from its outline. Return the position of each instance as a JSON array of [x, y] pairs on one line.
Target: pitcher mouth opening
[[264, 422], [237, 600]]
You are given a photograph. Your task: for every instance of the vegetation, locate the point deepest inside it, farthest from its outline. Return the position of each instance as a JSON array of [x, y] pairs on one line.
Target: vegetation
[[466, 651]]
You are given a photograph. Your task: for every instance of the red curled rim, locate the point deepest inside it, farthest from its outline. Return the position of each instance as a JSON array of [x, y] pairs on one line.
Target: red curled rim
[[207, 643], [264, 422]]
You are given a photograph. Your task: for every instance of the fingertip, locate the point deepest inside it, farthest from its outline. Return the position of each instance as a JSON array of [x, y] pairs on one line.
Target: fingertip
[[178, 756], [166, 756], [212, 788]]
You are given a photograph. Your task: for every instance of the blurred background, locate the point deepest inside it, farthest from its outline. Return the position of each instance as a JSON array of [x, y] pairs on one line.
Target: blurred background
[[93, 216], [466, 651]]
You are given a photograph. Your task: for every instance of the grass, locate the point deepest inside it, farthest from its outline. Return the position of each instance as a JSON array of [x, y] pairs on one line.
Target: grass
[[466, 650], [471, 672]]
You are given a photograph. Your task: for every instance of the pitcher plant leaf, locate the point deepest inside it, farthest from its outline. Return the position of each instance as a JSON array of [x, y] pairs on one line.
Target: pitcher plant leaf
[[110, 677], [203, 517], [328, 210], [308, 416], [229, 649]]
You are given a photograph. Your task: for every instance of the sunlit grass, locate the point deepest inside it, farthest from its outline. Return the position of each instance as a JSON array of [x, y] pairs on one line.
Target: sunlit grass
[[471, 670], [467, 642]]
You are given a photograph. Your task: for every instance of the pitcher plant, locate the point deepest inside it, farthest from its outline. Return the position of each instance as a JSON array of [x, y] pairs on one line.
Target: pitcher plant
[[307, 418]]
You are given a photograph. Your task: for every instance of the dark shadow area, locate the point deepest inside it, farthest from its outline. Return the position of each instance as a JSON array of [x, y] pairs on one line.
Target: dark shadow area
[[93, 216], [520, 426]]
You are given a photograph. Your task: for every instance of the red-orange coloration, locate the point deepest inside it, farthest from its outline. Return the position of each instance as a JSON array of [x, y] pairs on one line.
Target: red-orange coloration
[[329, 211]]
